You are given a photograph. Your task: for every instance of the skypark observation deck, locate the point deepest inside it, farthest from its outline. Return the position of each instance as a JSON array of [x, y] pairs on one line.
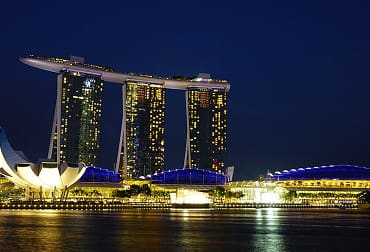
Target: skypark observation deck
[[108, 74]]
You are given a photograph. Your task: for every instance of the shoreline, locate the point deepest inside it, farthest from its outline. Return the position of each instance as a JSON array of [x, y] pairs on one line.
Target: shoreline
[[155, 205]]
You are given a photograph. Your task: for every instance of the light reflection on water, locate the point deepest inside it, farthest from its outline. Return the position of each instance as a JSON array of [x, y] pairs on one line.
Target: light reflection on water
[[267, 235], [183, 230]]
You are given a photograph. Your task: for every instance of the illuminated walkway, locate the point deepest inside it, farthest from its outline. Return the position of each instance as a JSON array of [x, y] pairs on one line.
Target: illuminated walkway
[[322, 184]]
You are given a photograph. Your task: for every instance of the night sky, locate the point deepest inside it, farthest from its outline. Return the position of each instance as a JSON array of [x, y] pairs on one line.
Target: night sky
[[299, 73]]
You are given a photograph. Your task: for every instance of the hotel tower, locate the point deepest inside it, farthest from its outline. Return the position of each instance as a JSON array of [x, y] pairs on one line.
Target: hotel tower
[[206, 129], [76, 126], [141, 148]]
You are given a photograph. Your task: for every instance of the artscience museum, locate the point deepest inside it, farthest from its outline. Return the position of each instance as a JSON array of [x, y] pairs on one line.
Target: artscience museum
[[42, 178]]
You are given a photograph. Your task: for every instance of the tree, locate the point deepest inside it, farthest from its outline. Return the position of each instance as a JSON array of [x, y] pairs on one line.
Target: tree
[[135, 190], [364, 197], [145, 189], [290, 195], [121, 193], [78, 192], [220, 192], [95, 193]]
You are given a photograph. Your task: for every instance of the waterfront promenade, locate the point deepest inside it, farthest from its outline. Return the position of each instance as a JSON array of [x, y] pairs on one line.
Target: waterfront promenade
[[96, 205]]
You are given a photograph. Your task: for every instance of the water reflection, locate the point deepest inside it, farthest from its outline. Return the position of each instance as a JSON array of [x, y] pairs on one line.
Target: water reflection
[[181, 230], [17, 230], [185, 215], [268, 235]]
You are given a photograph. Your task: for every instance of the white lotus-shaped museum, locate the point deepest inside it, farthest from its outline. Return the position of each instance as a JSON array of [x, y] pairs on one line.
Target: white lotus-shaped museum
[[44, 176]]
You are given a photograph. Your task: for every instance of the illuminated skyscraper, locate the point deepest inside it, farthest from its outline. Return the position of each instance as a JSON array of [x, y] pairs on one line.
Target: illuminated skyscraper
[[75, 136], [206, 121], [141, 150], [76, 130]]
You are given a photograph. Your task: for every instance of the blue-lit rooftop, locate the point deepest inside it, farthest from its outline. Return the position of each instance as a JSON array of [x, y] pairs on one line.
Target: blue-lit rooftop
[[350, 172], [189, 176], [96, 174]]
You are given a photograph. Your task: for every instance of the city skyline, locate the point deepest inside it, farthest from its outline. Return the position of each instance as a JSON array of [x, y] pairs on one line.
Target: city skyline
[[299, 72]]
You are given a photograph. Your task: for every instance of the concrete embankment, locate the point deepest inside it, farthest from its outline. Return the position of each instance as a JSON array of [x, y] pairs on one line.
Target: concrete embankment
[[151, 205], [82, 206], [277, 205]]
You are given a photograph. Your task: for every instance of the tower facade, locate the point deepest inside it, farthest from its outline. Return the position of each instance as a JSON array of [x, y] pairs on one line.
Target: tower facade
[[75, 134], [141, 150], [76, 127], [206, 128]]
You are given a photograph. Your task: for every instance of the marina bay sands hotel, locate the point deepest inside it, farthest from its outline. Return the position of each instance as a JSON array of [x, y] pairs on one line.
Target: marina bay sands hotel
[[76, 127]]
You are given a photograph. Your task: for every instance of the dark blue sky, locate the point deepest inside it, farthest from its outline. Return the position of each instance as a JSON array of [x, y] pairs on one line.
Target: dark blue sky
[[299, 73]]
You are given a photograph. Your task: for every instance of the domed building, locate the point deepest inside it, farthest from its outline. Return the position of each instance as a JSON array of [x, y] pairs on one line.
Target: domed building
[[319, 186], [331, 172], [189, 176], [324, 177]]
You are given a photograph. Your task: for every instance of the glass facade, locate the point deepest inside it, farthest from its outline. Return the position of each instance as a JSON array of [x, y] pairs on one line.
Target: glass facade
[[80, 104], [144, 120], [207, 128]]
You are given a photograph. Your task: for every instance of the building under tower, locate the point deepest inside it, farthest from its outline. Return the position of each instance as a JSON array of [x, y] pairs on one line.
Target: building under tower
[[141, 149], [76, 127], [206, 128]]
